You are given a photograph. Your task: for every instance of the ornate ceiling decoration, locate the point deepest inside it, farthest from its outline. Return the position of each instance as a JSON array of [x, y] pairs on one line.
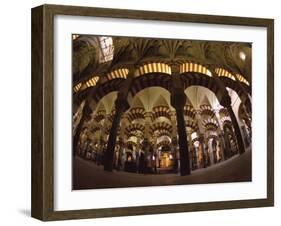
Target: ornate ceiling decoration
[[224, 73], [194, 67], [155, 55], [119, 73], [153, 68]]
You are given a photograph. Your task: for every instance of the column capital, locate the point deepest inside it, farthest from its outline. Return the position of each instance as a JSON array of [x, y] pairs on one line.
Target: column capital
[[173, 115], [212, 68], [132, 71], [174, 68], [124, 119], [198, 113], [148, 115]]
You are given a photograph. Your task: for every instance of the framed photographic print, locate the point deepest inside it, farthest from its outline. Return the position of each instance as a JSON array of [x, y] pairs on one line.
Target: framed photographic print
[[141, 112]]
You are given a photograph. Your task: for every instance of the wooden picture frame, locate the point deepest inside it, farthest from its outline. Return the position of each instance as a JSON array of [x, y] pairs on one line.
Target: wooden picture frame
[[42, 203]]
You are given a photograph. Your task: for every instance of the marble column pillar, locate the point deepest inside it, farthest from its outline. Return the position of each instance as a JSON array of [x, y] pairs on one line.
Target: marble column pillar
[[178, 100], [190, 147], [86, 115], [121, 140], [174, 123], [227, 103], [220, 133], [147, 124], [175, 141], [121, 105], [203, 138]]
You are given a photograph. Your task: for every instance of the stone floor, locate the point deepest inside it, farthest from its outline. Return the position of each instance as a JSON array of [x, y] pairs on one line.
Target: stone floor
[[87, 175]]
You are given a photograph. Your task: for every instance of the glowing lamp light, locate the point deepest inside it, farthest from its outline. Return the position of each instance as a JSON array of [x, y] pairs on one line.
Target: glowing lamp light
[[242, 56]]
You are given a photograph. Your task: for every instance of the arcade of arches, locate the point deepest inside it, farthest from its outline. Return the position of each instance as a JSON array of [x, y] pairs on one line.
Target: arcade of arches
[[152, 107]]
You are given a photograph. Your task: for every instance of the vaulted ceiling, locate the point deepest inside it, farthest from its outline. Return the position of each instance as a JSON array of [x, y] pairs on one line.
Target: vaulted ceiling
[[89, 58]]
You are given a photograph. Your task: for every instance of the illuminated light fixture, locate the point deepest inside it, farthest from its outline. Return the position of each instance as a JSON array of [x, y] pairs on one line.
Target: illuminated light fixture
[[75, 37], [242, 79], [153, 68], [77, 87], [119, 73], [224, 73], [193, 67], [242, 56]]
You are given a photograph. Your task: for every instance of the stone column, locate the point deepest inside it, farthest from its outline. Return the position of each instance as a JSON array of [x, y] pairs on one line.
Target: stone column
[[174, 123], [189, 139], [203, 141], [226, 102], [86, 115], [220, 134], [121, 140], [190, 147], [123, 126], [247, 99], [222, 145], [202, 137], [174, 141], [199, 122], [178, 100], [121, 105], [147, 124]]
